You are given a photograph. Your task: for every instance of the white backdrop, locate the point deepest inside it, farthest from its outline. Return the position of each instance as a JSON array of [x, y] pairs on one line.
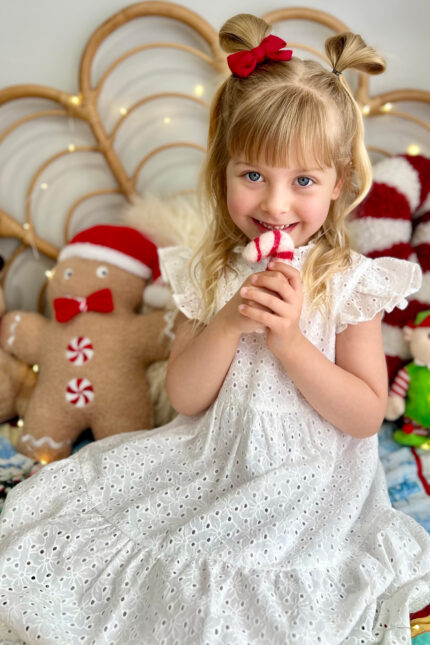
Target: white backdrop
[[41, 41]]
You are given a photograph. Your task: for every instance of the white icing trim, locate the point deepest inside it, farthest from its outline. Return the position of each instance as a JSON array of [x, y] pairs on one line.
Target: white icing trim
[[90, 251], [42, 440]]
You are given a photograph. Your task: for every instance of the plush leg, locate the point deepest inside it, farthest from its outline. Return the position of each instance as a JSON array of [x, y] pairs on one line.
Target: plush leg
[[49, 432], [122, 416]]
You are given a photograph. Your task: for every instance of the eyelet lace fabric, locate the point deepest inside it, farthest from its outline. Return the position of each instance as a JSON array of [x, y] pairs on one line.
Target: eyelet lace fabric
[[254, 522]]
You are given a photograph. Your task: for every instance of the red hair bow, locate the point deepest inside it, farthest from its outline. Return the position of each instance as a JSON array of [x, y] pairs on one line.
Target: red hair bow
[[244, 62]]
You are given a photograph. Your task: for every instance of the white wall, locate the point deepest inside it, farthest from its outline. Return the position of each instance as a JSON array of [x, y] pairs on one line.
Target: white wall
[[41, 40]]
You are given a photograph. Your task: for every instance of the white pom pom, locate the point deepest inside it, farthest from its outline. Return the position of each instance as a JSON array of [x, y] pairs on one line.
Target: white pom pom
[[157, 295]]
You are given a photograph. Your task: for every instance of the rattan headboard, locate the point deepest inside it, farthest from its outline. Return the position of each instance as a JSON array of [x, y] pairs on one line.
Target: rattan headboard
[[138, 125]]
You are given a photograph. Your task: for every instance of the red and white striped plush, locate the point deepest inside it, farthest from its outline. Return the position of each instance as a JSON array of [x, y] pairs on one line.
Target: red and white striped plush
[[272, 244], [394, 220]]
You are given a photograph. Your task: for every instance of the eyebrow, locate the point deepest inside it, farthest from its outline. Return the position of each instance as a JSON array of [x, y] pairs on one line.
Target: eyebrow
[[249, 163]]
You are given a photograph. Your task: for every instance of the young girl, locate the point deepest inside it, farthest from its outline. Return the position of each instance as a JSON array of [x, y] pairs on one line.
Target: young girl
[[260, 514]]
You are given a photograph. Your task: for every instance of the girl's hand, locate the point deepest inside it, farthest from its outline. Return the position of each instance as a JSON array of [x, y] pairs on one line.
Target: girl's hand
[[232, 316], [275, 300]]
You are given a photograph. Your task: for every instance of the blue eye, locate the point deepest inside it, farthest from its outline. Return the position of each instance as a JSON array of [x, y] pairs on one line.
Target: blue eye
[[253, 176], [304, 181]]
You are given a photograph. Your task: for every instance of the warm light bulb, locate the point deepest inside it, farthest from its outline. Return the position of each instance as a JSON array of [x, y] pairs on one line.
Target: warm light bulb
[[365, 109], [43, 461], [35, 368], [199, 90], [44, 186], [26, 226], [167, 119], [49, 274], [387, 107], [20, 423], [71, 147], [123, 111], [76, 100], [413, 149]]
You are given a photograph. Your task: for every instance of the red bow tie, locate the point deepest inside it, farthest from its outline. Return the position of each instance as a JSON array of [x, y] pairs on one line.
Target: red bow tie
[[244, 62], [66, 308]]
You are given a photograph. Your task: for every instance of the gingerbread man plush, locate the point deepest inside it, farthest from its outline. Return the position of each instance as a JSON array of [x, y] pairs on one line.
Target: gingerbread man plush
[[93, 353]]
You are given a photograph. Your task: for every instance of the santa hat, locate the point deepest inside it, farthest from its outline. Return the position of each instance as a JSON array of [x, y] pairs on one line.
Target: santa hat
[[124, 247], [394, 220], [421, 320]]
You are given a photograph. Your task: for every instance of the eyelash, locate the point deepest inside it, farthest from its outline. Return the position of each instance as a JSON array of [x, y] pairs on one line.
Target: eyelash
[[254, 172]]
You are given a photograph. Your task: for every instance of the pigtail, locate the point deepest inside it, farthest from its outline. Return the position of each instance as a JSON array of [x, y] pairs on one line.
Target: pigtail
[[243, 31], [344, 51], [349, 51]]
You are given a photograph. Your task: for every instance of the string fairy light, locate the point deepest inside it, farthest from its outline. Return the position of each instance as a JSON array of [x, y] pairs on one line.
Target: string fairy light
[[413, 149]]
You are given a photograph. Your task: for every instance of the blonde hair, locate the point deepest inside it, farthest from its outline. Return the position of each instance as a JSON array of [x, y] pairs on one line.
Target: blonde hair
[[279, 111]]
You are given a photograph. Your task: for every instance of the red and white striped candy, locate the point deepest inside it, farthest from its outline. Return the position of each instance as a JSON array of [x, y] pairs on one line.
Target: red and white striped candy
[[79, 392], [79, 350], [272, 244]]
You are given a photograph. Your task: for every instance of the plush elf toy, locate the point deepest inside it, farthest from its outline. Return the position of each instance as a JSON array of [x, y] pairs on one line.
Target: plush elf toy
[[410, 392]]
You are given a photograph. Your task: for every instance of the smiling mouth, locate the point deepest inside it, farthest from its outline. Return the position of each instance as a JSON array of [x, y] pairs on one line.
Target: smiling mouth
[[272, 227]]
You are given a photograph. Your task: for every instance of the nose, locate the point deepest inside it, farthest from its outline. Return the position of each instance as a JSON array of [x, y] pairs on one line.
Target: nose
[[276, 201]]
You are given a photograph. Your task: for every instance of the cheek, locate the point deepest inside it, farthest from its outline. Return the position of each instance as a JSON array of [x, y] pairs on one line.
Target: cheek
[[236, 202]]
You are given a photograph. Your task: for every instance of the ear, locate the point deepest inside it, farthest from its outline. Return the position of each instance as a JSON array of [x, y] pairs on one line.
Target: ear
[[338, 187], [336, 190]]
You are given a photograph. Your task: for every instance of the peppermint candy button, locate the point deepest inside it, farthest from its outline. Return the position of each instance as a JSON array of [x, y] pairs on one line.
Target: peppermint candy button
[[79, 392], [79, 350]]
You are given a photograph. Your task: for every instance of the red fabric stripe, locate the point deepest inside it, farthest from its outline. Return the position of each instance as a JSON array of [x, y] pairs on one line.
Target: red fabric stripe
[[276, 241], [423, 254], [402, 250], [422, 166], [384, 201], [423, 218], [400, 318], [257, 245], [423, 480], [421, 614], [285, 255]]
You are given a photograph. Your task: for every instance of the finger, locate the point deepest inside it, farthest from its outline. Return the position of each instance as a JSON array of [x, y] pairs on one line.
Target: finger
[[275, 282], [265, 300], [292, 275], [257, 315]]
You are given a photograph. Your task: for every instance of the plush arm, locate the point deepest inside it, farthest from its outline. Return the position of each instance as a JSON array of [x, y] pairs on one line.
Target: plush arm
[[20, 335], [154, 341]]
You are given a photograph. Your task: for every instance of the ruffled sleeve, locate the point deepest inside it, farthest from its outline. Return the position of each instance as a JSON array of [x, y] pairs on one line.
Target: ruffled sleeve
[[370, 286], [174, 266]]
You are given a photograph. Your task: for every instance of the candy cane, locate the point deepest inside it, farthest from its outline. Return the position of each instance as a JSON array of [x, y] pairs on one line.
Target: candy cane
[[273, 244]]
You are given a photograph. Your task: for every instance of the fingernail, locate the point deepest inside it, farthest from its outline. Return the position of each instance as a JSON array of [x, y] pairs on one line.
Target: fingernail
[[254, 278], [271, 265], [243, 291]]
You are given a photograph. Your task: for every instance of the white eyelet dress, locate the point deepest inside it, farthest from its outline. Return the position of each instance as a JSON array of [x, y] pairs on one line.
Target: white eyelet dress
[[256, 522]]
